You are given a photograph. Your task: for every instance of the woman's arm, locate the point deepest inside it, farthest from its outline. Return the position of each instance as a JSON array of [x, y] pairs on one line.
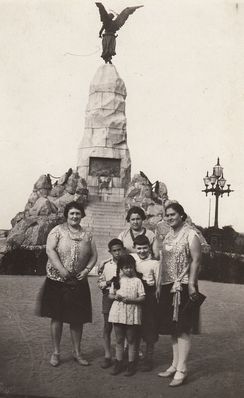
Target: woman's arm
[[53, 256], [158, 286], [196, 255], [155, 249], [92, 261]]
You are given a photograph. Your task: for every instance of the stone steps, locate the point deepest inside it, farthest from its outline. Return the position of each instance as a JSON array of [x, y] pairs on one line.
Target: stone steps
[[106, 221]]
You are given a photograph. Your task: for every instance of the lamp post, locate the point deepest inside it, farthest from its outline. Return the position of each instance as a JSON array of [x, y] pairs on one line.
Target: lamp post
[[215, 184]]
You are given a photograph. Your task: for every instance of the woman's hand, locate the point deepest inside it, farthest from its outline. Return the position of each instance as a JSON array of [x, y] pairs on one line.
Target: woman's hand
[[64, 273], [118, 297], [192, 290], [81, 275], [157, 293]]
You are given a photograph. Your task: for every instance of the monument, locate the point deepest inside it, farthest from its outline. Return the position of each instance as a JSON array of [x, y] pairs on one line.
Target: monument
[[103, 155], [103, 171]]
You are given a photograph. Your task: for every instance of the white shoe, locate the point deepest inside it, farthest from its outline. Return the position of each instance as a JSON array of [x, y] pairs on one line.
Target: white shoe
[[169, 372]]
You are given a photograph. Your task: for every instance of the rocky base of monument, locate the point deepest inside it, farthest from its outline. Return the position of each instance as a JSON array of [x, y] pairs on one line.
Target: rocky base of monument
[[23, 250], [150, 196]]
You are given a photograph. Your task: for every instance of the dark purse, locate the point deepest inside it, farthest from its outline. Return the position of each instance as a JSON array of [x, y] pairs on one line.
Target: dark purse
[[194, 303]]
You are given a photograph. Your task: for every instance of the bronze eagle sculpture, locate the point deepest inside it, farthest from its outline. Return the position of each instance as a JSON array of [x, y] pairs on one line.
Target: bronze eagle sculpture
[[110, 27]]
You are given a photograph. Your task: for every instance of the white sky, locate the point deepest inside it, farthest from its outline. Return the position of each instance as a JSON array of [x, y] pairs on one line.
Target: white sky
[[182, 63]]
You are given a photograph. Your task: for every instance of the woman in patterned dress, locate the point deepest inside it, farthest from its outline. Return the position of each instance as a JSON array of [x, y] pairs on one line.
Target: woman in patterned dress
[[180, 262], [66, 294]]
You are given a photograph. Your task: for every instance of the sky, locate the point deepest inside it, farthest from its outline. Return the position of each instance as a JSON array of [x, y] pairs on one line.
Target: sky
[[182, 63]]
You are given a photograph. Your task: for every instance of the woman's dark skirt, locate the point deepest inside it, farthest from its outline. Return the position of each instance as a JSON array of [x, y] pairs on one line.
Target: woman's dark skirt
[[65, 303], [188, 321], [149, 325]]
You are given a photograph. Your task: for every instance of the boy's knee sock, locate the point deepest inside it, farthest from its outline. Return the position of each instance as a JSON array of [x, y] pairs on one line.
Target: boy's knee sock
[[119, 351], [149, 351], [131, 352]]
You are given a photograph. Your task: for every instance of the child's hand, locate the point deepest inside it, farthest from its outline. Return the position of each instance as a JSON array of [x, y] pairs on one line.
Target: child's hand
[[125, 300], [103, 285], [118, 297]]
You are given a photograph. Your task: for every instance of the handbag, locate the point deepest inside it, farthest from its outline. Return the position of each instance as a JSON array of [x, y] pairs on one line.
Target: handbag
[[194, 303]]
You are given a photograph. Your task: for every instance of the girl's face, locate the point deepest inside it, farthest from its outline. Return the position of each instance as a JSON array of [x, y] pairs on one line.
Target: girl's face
[[128, 271], [173, 218], [135, 221], [74, 217]]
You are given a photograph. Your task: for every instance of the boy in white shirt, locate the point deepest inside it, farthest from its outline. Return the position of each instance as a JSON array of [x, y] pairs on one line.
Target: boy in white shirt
[[149, 269], [107, 271]]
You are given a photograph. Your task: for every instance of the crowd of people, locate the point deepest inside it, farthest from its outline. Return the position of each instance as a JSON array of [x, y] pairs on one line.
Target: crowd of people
[[145, 292]]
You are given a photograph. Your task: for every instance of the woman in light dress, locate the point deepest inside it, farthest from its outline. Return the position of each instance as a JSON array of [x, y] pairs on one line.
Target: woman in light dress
[[178, 283]]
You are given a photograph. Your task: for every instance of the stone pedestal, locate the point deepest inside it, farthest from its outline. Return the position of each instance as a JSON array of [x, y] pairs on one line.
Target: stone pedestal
[[103, 155]]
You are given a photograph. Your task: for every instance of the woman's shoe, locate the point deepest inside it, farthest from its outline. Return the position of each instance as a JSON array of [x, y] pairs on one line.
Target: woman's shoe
[[169, 372], [179, 380], [55, 359], [81, 361]]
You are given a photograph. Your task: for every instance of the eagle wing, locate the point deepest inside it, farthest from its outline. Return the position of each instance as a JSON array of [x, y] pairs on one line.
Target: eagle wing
[[123, 16], [103, 13]]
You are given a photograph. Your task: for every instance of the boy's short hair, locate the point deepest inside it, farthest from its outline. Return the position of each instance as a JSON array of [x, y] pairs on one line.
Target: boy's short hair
[[114, 242], [141, 240]]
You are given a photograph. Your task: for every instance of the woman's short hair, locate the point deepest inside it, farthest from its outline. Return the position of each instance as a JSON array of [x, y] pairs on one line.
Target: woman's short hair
[[178, 208], [74, 205], [135, 210], [126, 259]]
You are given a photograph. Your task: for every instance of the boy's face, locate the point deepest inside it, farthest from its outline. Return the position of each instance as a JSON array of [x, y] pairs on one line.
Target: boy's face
[[143, 251], [116, 251]]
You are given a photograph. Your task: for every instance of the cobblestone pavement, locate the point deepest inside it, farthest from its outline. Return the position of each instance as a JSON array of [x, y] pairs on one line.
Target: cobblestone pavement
[[216, 363]]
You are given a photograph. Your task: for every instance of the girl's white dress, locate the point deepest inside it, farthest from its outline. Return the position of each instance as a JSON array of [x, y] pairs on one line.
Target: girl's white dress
[[128, 314]]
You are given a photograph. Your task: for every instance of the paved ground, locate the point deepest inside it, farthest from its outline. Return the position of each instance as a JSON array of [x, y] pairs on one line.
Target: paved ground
[[216, 362]]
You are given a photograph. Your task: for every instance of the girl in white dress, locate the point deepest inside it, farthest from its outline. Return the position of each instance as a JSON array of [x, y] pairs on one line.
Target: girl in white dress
[[128, 293]]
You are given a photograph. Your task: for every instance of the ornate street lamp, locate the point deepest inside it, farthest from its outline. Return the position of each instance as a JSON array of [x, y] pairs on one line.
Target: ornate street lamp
[[216, 182]]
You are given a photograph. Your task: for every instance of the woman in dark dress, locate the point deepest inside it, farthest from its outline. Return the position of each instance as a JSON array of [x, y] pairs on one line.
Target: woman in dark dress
[[66, 294]]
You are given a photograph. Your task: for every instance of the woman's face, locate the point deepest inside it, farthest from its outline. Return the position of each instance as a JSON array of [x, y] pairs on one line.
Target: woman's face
[[173, 218], [135, 221], [74, 217]]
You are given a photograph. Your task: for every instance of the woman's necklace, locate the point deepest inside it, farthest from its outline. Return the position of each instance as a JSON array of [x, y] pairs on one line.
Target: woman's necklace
[[175, 233], [74, 233]]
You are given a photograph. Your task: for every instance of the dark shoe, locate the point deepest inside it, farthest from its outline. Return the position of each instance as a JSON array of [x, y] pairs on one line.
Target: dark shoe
[[81, 361], [118, 367], [147, 365], [107, 362], [55, 359], [131, 369]]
